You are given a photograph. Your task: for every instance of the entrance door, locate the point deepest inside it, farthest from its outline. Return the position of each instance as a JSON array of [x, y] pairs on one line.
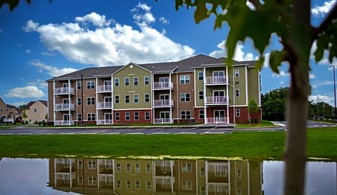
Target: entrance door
[[107, 102], [165, 116], [219, 116], [66, 119], [107, 85], [164, 82], [218, 96], [107, 118]]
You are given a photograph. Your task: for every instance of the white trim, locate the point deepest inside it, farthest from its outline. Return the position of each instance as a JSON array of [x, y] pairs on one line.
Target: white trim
[[246, 72], [195, 86], [131, 63], [205, 107]]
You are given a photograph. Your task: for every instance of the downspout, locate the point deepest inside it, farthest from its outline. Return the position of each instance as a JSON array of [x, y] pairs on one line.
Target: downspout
[[96, 101], [69, 112], [227, 97], [54, 102], [82, 101], [112, 100], [233, 96], [205, 96]]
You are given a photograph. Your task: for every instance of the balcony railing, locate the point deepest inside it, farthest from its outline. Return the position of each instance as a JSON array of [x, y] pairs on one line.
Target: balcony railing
[[217, 100], [63, 91], [63, 122], [162, 85], [216, 80], [104, 122], [64, 107], [104, 105], [162, 103], [217, 120], [163, 121], [103, 88]]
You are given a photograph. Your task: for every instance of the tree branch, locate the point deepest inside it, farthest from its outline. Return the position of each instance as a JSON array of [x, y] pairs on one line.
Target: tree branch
[[327, 21]]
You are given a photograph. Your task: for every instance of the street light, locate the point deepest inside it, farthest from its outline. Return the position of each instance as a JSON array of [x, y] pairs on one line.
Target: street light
[[334, 89]]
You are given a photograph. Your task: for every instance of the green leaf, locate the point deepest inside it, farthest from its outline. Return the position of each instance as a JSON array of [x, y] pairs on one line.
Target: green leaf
[[201, 12], [276, 58]]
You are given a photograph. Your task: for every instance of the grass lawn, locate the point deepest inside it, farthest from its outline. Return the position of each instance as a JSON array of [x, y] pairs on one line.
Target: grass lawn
[[322, 142], [263, 123]]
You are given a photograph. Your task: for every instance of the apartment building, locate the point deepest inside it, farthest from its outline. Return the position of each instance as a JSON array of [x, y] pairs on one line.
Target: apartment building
[[199, 89], [8, 113]]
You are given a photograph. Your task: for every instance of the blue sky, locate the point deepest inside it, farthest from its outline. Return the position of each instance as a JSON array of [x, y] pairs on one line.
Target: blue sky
[[50, 38]]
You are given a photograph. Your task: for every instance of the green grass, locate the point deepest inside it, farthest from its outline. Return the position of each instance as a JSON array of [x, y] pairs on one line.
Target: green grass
[[255, 145], [263, 123]]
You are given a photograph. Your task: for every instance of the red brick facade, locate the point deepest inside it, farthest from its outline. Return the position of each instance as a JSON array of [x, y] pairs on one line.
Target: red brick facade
[[132, 113]]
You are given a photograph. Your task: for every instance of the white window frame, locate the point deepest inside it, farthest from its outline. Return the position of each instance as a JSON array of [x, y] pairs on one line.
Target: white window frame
[[126, 81], [90, 84], [135, 98], [185, 79], [237, 92], [117, 99], [147, 115], [127, 95], [185, 113], [135, 81], [146, 97], [117, 116], [136, 116], [146, 80], [237, 73], [201, 95], [127, 116], [237, 112], [201, 113], [116, 82], [200, 75], [183, 97]]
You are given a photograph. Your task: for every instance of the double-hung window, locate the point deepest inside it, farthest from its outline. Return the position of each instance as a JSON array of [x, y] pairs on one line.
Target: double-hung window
[[90, 84], [185, 79], [185, 97]]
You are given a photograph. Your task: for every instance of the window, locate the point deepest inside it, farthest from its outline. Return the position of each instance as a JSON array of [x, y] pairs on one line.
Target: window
[[147, 115], [118, 184], [92, 164], [136, 116], [185, 97], [137, 185], [201, 95], [79, 117], [201, 114], [91, 117], [135, 98], [92, 180], [135, 80], [117, 116], [237, 112], [147, 97], [137, 168], [118, 167], [185, 79], [35, 110], [146, 80], [117, 99], [185, 114], [148, 185], [127, 98], [148, 168], [79, 84], [79, 101], [90, 84], [237, 92], [116, 82], [126, 81], [186, 185], [90, 101], [128, 185], [237, 73], [186, 167], [127, 116], [200, 75], [80, 164], [128, 167]]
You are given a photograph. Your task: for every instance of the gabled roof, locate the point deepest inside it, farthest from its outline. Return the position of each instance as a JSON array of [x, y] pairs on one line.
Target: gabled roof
[[44, 102]]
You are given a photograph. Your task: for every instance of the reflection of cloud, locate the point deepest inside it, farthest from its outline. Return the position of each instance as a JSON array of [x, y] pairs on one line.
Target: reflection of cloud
[[323, 9], [103, 44]]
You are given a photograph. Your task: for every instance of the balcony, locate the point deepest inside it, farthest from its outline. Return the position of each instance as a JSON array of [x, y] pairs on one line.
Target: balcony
[[104, 105], [162, 85], [104, 122], [64, 91], [104, 89], [64, 107], [63, 122], [217, 120], [162, 103], [216, 80], [216, 100]]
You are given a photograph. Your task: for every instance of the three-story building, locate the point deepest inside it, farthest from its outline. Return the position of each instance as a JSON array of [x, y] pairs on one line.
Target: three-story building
[[199, 89]]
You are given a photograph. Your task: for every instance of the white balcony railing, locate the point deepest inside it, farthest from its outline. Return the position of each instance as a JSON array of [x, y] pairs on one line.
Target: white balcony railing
[[217, 120], [162, 103], [216, 80], [163, 121], [103, 88], [64, 107], [217, 100], [104, 105], [63, 91], [104, 122], [63, 122], [162, 85]]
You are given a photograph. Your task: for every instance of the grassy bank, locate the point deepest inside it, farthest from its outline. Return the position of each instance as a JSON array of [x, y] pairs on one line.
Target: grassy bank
[[257, 145]]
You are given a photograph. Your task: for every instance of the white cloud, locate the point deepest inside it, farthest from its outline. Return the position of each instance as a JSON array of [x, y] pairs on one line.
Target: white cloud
[[312, 76], [325, 59], [38, 82], [322, 98], [25, 92], [280, 74], [95, 19], [111, 45], [239, 55], [164, 20], [323, 83], [52, 71], [28, 51], [30, 26], [323, 9]]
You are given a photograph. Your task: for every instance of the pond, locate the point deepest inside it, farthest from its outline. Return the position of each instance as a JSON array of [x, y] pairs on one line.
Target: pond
[[127, 176]]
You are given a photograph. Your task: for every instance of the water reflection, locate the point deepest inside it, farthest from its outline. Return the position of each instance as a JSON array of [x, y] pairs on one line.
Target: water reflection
[[126, 176]]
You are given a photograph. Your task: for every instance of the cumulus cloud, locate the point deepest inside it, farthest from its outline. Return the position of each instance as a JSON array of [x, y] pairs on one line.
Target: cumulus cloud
[[110, 45], [322, 98], [25, 92], [164, 20], [52, 71], [282, 73], [325, 59], [240, 54], [323, 9], [323, 83]]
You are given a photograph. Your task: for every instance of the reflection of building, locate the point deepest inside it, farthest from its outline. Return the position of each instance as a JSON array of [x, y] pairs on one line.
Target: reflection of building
[[125, 176]]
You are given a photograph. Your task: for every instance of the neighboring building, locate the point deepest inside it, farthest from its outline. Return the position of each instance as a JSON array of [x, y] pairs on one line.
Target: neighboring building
[[199, 89], [126, 176], [8, 113], [36, 111]]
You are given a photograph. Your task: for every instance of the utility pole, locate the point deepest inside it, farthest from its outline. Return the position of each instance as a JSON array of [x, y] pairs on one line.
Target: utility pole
[[334, 89]]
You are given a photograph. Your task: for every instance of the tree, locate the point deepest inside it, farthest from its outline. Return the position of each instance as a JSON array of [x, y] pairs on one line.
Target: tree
[[253, 109], [273, 104], [290, 21]]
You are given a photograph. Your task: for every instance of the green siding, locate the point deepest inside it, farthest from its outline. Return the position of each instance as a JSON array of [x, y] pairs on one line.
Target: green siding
[[141, 89], [240, 83], [199, 87], [253, 85]]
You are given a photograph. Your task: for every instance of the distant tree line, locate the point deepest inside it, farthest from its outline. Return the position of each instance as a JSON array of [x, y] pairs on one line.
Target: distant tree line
[[273, 106]]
